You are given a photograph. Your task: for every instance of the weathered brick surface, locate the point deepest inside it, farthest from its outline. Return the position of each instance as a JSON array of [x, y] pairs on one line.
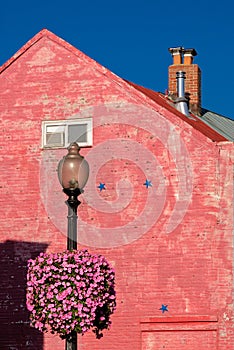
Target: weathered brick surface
[[170, 244]]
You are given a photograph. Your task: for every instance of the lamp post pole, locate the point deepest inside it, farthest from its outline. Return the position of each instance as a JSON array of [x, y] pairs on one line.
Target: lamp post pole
[[72, 203], [73, 172]]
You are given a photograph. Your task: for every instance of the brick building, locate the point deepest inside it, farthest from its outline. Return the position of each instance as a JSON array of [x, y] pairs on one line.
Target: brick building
[[164, 218]]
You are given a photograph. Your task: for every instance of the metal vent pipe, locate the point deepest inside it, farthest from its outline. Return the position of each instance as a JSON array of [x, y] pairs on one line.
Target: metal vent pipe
[[181, 101]]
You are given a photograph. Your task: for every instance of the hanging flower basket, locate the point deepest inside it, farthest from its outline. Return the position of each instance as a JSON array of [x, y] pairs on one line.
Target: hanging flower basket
[[70, 291]]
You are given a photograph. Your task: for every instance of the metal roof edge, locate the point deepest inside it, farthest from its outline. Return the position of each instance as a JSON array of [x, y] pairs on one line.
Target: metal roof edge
[[219, 123], [194, 121]]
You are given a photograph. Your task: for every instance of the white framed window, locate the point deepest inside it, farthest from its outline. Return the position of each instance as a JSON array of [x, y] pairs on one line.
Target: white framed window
[[59, 134]]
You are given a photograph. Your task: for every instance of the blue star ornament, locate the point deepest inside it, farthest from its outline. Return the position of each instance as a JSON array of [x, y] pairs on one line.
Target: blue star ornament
[[164, 308], [147, 183], [101, 186]]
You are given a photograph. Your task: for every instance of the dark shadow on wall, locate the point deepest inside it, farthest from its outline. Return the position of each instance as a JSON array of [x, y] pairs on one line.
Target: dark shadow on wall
[[15, 331]]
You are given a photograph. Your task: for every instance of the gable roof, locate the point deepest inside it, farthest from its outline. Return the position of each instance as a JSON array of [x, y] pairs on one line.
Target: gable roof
[[53, 37], [214, 126]]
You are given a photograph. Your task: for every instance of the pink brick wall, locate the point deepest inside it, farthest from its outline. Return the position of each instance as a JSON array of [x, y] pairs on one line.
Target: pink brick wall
[[170, 244]]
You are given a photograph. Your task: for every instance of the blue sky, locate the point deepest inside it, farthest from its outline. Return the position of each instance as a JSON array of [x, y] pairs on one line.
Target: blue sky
[[131, 38]]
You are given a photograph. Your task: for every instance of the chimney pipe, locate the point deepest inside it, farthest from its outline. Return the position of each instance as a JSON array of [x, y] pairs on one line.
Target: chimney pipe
[[176, 53], [189, 55], [181, 101]]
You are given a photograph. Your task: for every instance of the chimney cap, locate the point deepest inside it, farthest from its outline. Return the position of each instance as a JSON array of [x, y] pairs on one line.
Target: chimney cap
[[181, 49], [180, 74], [191, 52], [176, 50]]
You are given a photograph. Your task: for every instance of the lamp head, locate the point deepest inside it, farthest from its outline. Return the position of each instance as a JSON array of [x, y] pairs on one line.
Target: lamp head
[[73, 169]]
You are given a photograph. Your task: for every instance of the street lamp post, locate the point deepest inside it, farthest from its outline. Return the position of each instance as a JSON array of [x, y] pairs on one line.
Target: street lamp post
[[73, 173]]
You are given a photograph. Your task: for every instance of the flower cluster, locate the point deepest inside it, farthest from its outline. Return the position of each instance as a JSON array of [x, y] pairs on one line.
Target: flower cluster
[[70, 291]]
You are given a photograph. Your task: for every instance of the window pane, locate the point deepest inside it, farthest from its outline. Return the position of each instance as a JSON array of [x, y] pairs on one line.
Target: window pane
[[54, 139], [77, 133]]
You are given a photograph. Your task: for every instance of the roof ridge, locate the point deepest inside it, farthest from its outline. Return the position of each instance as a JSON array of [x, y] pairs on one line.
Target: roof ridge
[[52, 36], [47, 33]]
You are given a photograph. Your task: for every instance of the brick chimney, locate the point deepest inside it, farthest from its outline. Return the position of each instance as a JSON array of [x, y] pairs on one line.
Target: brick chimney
[[183, 61]]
